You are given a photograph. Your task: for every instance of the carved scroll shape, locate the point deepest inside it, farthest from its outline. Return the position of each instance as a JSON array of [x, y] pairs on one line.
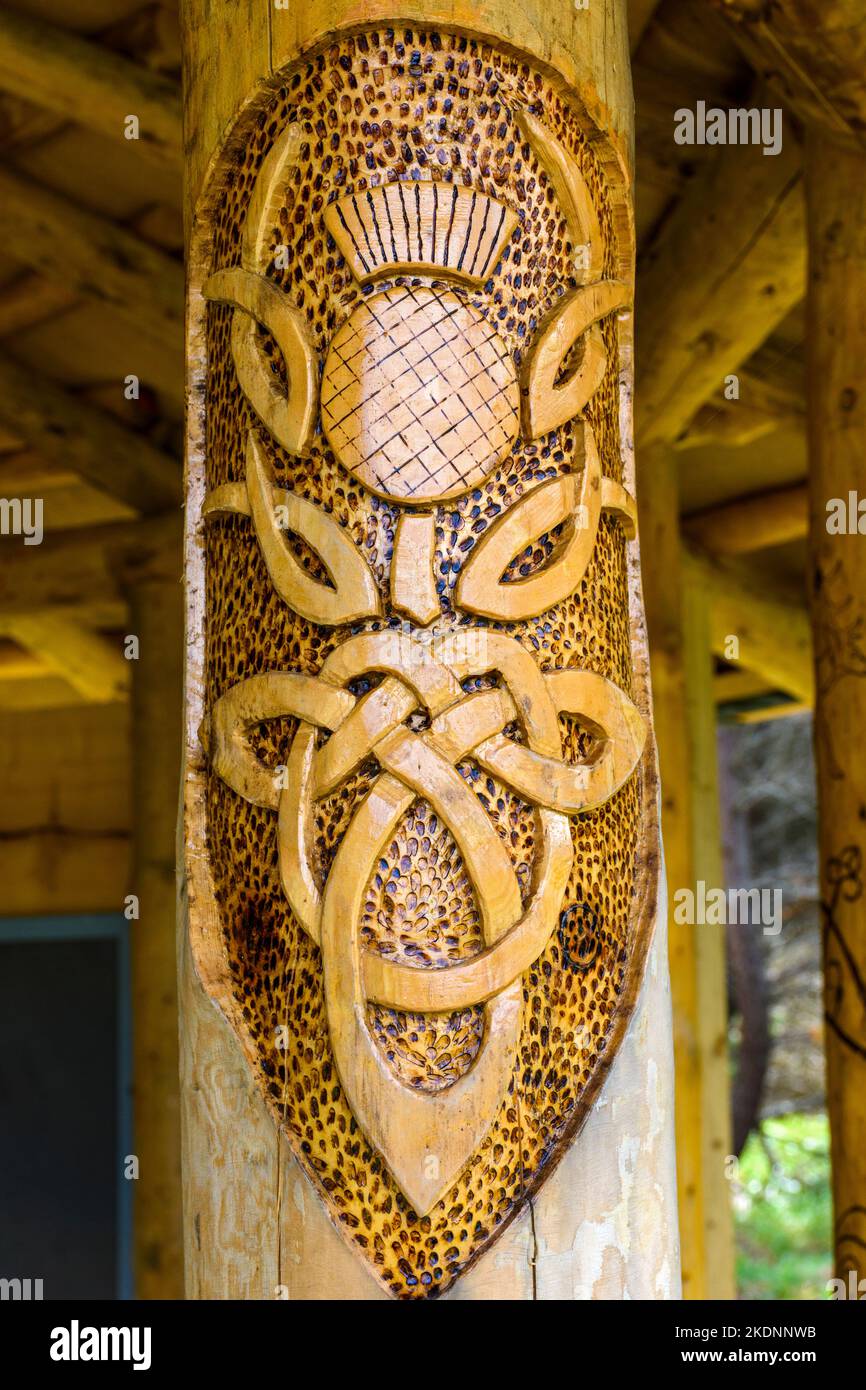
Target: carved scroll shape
[[569, 500], [290, 417], [549, 402], [574, 196], [273, 511], [548, 398]]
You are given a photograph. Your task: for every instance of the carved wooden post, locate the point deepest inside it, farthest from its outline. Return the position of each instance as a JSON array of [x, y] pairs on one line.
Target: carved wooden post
[[836, 187], [422, 860]]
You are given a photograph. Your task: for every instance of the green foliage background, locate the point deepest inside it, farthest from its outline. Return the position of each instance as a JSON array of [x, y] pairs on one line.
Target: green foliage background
[[782, 1210]]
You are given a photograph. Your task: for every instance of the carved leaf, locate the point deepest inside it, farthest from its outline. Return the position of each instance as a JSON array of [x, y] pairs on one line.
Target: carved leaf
[[354, 594], [275, 511], [577, 499]]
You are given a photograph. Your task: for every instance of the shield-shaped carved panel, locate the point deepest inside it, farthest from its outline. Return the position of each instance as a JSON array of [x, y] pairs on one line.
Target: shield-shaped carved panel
[[421, 809]]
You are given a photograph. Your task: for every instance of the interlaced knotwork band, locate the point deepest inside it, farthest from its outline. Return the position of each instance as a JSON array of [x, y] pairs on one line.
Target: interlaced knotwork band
[[429, 678]]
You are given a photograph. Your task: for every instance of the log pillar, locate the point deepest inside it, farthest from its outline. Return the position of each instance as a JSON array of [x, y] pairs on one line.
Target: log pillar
[[425, 1027], [156, 620], [836, 190], [677, 605]]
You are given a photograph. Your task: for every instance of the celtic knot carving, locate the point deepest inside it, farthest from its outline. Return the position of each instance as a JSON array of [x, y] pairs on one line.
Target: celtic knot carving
[[461, 725], [421, 487]]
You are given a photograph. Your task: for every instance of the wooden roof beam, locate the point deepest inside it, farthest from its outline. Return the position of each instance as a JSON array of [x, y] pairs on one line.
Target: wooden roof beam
[[727, 267], [38, 693], [88, 84], [772, 629], [30, 300], [65, 430], [752, 523], [751, 699], [813, 54], [640, 12], [92, 256], [92, 665], [86, 572], [760, 407], [17, 664]]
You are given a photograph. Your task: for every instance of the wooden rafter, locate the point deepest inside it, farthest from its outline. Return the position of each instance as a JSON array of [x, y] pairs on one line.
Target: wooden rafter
[[92, 665], [91, 255], [90, 85], [711, 290], [813, 54], [77, 436], [84, 572], [752, 523], [772, 630], [760, 407]]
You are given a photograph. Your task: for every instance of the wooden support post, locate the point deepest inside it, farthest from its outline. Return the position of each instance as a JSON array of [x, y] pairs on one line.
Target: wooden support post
[[157, 622], [685, 722], [711, 988], [836, 190], [356, 1123]]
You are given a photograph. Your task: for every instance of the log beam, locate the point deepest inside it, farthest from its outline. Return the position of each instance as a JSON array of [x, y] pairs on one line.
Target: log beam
[[30, 300], [81, 571], [640, 13], [695, 327], [751, 523], [67, 431], [92, 256], [812, 53], [760, 407], [91, 85], [771, 629], [91, 664], [836, 183]]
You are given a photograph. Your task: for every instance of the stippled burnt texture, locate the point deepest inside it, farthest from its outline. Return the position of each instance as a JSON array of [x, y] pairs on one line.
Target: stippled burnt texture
[[373, 108]]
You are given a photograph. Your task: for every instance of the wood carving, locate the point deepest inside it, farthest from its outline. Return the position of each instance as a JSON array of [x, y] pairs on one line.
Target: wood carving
[[425, 749]]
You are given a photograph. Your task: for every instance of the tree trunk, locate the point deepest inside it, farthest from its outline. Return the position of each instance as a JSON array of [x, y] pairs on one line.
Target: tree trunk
[[836, 186], [421, 839]]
